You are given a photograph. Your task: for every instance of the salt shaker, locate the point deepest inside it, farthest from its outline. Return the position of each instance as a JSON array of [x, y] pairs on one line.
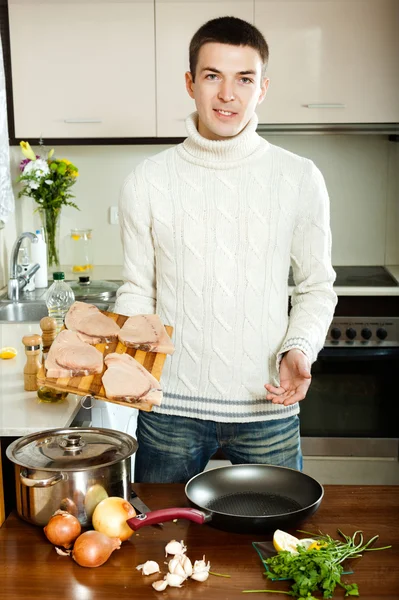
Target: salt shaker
[[32, 345]]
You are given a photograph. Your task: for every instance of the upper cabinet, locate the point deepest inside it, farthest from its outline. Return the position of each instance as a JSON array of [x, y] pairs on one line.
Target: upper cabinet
[[331, 61], [176, 23], [115, 68], [83, 69]]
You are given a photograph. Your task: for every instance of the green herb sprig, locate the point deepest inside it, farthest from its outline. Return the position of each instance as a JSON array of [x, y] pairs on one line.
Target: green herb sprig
[[318, 569]]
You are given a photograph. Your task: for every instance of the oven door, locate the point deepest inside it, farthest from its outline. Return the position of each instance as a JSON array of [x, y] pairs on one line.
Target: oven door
[[352, 406]]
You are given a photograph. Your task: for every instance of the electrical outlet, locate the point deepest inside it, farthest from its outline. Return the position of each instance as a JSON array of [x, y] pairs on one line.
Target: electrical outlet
[[113, 215]]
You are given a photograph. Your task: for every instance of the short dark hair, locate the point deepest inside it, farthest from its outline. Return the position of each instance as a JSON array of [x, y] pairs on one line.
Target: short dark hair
[[228, 30]]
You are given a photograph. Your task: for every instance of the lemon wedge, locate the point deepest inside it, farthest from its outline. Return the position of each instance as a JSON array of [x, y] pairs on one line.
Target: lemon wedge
[[8, 352], [284, 541]]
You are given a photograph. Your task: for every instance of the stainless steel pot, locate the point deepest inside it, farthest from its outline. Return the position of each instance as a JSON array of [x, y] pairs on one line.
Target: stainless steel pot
[[70, 469]]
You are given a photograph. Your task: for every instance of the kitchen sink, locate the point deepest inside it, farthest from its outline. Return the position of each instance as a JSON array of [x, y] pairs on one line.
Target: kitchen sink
[[22, 312], [29, 311]]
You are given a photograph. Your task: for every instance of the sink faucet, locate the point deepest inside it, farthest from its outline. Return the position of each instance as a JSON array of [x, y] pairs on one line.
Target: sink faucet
[[17, 282]]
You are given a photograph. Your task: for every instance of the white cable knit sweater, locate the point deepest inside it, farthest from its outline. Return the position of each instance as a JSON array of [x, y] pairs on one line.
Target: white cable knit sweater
[[209, 230]]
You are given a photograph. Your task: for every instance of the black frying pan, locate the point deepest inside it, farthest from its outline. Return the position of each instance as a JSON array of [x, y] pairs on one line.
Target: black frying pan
[[244, 499]]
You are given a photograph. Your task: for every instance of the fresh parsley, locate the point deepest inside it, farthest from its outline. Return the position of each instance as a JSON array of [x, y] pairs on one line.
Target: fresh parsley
[[320, 569]]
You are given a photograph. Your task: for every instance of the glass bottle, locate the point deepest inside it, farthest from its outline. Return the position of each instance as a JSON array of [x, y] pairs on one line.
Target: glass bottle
[[82, 252], [49, 332], [59, 298]]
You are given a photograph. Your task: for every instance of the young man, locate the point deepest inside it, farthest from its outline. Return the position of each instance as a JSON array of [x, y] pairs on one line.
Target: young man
[[209, 230]]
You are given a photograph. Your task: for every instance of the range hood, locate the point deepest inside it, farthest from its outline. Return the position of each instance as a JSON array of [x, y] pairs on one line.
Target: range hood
[[329, 128]]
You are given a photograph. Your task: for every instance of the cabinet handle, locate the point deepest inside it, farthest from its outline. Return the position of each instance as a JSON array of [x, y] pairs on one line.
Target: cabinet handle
[[325, 105], [82, 121]]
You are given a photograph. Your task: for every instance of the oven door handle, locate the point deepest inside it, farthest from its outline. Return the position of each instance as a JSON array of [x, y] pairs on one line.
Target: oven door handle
[[356, 353]]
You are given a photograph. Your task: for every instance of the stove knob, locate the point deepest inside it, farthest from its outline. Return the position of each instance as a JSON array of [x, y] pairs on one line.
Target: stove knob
[[351, 333], [335, 333], [366, 333], [381, 333]]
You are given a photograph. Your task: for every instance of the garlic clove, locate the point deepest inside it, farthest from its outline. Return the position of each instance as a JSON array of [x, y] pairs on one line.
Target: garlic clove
[[187, 566], [200, 576], [149, 567], [178, 570], [173, 564], [160, 585], [174, 580], [174, 547]]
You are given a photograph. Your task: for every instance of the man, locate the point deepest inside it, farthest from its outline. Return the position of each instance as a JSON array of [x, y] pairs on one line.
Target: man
[[209, 230]]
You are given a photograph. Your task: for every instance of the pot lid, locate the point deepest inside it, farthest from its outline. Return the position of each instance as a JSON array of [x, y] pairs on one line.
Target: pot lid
[[73, 449], [85, 288]]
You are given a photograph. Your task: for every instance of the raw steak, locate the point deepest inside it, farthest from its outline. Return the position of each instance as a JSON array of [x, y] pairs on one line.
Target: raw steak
[[126, 379], [146, 332], [90, 324], [70, 357]]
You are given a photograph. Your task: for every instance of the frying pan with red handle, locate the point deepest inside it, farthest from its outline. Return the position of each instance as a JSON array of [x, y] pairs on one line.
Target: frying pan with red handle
[[244, 499]]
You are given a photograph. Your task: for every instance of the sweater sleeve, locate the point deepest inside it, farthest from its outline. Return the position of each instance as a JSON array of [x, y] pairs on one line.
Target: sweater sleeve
[[313, 299], [138, 294]]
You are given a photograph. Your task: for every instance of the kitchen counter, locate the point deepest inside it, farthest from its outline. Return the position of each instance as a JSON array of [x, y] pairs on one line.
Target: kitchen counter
[[30, 567], [114, 272], [22, 412]]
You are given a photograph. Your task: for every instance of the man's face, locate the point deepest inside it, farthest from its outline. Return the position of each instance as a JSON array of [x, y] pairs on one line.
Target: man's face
[[227, 89]]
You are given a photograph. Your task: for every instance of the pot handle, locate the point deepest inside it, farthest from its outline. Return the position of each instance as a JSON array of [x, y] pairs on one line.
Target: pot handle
[[40, 482], [168, 514]]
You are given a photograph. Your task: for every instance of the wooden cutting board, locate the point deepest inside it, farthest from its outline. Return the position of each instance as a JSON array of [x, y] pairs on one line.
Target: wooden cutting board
[[91, 385]]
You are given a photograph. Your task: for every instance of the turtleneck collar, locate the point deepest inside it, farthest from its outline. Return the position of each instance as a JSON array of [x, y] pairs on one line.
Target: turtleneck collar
[[221, 154]]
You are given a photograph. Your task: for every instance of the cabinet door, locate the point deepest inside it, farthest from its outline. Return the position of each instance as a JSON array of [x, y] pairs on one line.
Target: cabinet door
[[176, 23], [331, 61], [83, 69]]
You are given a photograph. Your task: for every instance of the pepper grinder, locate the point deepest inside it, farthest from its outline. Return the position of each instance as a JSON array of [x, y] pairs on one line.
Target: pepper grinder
[[32, 350], [48, 326]]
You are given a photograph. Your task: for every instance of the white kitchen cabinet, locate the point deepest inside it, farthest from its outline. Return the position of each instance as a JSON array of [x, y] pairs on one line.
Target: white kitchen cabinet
[[176, 23], [83, 69], [331, 61]]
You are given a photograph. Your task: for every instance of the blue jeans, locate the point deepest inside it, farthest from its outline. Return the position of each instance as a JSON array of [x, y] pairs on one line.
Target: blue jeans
[[174, 449]]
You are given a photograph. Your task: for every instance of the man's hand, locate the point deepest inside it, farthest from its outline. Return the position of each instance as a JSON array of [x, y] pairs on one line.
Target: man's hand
[[295, 379]]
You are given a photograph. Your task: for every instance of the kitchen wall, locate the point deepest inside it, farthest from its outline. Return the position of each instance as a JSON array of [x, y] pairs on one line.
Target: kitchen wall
[[361, 171]]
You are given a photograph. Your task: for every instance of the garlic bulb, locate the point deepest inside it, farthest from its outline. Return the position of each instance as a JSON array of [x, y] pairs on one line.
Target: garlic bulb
[[160, 585], [174, 547], [200, 575], [174, 580], [201, 565], [149, 567]]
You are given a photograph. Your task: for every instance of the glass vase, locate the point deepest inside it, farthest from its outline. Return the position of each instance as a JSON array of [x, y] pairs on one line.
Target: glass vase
[[50, 219]]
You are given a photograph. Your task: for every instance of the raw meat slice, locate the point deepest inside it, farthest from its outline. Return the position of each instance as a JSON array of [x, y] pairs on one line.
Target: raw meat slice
[[146, 332], [70, 357], [126, 379], [90, 324]]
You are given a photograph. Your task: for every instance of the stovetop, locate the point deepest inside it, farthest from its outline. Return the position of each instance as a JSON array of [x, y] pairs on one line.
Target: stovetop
[[360, 277]]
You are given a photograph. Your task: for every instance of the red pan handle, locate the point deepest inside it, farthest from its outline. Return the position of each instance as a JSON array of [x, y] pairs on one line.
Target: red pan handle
[[168, 514]]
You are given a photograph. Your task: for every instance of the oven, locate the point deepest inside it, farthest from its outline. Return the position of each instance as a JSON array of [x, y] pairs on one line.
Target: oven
[[352, 407], [350, 417]]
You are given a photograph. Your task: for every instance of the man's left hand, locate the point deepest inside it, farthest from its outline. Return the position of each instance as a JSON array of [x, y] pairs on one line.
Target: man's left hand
[[295, 379]]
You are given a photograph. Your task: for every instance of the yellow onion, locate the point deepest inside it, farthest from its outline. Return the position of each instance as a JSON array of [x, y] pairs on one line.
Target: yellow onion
[[93, 549], [62, 529], [110, 517]]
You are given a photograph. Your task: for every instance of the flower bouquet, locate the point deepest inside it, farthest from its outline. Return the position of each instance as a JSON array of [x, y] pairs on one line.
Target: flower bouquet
[[47, 181]]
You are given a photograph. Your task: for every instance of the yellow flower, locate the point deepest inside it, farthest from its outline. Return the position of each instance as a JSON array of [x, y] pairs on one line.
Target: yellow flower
[[27, 150], [66, 161]]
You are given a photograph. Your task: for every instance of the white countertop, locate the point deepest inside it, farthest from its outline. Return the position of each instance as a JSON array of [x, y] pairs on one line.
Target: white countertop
[[23, 412]]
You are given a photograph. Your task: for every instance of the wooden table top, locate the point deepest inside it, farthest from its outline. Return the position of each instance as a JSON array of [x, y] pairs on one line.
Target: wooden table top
[[31, 569]]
